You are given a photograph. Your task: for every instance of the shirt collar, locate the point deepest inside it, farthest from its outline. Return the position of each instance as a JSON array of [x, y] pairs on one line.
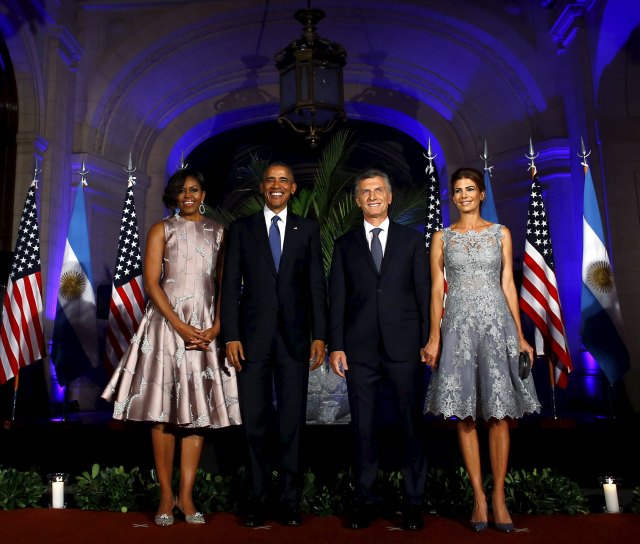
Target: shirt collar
[[268, 215], [384, 226]]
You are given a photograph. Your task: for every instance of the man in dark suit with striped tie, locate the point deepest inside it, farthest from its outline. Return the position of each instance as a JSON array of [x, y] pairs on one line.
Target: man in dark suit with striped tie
[[273, 316], [378, 321]]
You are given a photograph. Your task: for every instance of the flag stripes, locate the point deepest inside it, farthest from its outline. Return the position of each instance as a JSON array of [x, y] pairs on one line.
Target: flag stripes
[[539, 297], [127, 296], [601, 325], [124, 318], [21, 333], [539, 300], [74, 347]]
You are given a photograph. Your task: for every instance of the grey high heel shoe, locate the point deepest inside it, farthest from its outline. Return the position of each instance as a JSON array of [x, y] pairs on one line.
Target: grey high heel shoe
[[478, 526], [505, 527]]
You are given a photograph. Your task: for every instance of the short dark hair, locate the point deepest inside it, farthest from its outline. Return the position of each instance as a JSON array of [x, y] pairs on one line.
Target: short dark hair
[[176, 183], [469, 173], [374, 173], [278, 163]]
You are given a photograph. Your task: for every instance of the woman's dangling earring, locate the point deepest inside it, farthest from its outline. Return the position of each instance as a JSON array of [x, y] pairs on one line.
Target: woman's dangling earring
[[201, 208], [176, 212]]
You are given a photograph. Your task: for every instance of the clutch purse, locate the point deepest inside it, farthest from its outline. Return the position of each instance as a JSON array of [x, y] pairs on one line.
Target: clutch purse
[[524, 365]]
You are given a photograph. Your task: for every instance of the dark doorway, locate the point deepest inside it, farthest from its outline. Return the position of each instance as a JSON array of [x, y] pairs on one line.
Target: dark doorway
[[221, 157], [8, 131]]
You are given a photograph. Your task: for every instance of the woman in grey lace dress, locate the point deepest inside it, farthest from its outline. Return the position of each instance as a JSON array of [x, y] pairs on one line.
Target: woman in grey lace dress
[[474, 351], [170, 375]]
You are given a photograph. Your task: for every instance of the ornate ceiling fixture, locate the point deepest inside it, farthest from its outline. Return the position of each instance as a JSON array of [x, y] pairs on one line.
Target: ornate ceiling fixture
[[311, 85]]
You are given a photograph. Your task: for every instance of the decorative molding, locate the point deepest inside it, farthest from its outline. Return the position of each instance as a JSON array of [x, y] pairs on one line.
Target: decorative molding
[[570, 19], [68, 47]]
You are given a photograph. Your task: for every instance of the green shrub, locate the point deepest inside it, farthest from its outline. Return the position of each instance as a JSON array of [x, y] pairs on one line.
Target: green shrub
[[328, 498], [20, 489], [212, 493], [539, 491], [113, 489], [543, 492], [449, 492]]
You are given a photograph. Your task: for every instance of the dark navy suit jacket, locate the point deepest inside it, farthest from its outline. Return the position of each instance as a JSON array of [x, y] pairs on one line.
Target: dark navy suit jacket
[[256, 301], [367, 307]]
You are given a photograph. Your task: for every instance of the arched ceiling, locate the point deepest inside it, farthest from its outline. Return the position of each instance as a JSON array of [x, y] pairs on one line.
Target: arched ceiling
[[186, 71]]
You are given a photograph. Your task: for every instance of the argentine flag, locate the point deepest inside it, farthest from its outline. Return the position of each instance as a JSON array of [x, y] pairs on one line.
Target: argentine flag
[[74, 346], [601, 321], [489, 212]]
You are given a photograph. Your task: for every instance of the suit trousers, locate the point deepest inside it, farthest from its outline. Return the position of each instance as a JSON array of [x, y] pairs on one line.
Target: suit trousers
[[273, 400], [406, 380]]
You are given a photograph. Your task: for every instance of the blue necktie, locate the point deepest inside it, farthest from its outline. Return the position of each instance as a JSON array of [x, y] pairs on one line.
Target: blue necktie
[[376, 248], [274, 241]]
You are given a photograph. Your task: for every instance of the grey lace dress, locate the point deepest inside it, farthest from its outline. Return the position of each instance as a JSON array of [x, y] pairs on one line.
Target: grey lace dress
[[159, 380], [477, 374]]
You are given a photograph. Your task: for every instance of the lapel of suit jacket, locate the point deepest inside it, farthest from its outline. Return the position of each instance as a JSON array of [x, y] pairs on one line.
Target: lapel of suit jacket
[[363, 242], [260, 233], [391, 246], [291, 232]]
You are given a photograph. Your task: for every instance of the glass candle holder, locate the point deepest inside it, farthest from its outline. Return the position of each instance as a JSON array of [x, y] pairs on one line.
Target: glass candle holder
[[57, 483], [610, 489]]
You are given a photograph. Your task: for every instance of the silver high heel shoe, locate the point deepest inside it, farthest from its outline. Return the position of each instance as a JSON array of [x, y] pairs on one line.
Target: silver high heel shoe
[[196, 518], [164, 520]]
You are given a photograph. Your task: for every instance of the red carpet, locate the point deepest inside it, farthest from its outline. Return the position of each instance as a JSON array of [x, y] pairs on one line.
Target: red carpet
[[76, 526]]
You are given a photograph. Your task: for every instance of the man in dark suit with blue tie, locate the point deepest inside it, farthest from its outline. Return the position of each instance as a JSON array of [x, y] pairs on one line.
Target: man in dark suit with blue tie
[[378, 321], [273, 316]]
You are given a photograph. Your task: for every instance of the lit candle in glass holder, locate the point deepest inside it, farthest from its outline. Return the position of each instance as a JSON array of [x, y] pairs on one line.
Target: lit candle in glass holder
[[56, 489], [609, 485]]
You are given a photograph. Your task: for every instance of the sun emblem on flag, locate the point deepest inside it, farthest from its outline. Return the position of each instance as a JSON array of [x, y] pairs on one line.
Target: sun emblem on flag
[[600, 276], [72, 285]]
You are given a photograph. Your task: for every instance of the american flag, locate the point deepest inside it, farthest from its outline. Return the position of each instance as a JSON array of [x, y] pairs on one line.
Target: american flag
[[127, 295], [539, 297], [433, 212], [21, 331]]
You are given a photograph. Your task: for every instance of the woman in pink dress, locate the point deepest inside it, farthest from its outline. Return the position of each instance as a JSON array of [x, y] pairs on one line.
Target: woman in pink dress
[[171, 375]]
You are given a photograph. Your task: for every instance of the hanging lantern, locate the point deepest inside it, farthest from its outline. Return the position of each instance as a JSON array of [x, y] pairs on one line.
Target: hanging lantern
[[311, 84]]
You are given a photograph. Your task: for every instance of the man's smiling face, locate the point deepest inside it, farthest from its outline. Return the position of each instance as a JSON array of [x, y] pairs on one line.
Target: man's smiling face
[[277, 187], [373, 198]]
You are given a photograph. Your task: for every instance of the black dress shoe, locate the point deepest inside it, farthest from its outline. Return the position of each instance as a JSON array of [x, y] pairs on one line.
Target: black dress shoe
[[412, 519], [254, 517], [290, 517], [361, 517]]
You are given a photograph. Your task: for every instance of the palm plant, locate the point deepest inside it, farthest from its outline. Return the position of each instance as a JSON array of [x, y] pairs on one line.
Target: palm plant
[[330, 200]]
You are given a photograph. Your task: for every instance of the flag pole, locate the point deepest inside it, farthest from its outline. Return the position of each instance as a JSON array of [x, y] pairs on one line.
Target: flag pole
[[65, 402], [552, 381], [16, 381], [485, 158], [583, 155], [612, 408]]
